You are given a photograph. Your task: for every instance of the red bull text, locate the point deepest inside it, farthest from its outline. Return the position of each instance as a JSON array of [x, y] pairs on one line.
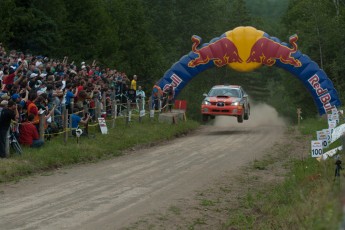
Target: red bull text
[[323, 94], [175, 82]]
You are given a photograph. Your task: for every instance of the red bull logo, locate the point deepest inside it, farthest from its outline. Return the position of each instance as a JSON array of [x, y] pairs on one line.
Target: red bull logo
[[267, 51], [244, 49], [221, 52]]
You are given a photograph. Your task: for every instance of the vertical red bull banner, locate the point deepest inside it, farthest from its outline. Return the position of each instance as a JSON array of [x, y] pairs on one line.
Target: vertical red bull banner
[[245, 49]]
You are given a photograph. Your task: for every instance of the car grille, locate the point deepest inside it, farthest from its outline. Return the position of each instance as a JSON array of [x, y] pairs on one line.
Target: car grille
[[220, 110], [220, 104]]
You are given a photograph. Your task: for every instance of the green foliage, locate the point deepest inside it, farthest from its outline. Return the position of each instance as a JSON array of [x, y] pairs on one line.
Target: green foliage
[[147, 37]]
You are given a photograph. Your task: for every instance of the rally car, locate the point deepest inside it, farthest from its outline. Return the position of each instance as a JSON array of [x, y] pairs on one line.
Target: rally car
[[226, 100]]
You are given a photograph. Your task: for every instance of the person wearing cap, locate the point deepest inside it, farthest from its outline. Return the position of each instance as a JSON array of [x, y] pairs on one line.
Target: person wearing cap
[[6, 115], [3, 104], [16, 98], [4, 96]]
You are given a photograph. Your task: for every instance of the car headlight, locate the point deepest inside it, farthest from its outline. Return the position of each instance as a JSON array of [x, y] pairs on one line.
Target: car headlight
[[235, 103], [206, 103]]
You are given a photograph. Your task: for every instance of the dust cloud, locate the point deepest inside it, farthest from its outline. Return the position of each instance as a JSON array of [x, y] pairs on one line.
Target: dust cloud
[[260, 115]]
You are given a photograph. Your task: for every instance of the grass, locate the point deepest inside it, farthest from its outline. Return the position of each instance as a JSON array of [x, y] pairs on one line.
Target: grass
[[308, 198], [55, 153]]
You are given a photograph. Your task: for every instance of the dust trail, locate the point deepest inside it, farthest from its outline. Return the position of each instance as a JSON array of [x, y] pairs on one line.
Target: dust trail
[[260, 115]]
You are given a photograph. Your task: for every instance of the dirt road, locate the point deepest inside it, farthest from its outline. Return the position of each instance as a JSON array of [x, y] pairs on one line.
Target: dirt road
[[115, 193]]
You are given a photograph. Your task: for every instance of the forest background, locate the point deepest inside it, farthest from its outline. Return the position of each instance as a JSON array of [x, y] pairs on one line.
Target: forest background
[[146, 37]]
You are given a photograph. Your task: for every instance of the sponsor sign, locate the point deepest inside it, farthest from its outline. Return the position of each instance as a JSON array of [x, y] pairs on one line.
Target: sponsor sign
[[333, 117], [142, 113], [322, 136], [103, 125], [331, 125], [316, 148], [329, 135]]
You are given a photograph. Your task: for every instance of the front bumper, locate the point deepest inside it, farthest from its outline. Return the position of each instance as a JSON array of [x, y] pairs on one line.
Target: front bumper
[[222, 110]]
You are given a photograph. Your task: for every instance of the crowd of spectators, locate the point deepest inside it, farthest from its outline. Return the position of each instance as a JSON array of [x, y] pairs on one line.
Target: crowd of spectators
[[37, 84]]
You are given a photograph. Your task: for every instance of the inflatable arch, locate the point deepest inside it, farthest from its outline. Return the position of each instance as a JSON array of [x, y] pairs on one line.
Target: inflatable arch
[[245, 49]]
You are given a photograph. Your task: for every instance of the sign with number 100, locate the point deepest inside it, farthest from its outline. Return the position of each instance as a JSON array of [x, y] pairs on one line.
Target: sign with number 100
[[316, 148]]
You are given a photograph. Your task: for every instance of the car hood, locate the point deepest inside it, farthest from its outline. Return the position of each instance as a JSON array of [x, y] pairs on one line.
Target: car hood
[[223, 99]]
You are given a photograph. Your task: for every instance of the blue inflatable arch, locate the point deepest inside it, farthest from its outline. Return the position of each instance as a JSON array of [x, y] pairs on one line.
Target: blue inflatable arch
[[245, 49]]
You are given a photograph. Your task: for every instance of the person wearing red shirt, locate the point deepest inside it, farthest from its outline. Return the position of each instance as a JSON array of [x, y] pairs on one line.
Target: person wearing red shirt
[[9, 79], [28, 134]]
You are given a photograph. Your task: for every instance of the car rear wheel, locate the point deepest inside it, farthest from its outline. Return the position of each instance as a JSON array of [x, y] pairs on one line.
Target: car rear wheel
[[204, 117], [212, 116], [240, 118]]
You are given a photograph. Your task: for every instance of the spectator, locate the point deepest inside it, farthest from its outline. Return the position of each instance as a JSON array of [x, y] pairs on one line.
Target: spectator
[[169, 94], [9, 76], [140, 95], [69, 97], [28, 134], [8, 112], [32, 108], [77, 119], [157, 94], [134, 83]]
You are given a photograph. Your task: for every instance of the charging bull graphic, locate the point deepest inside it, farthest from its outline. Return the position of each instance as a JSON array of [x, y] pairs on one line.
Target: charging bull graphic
[[244, 49], [221, 52], [266, 51]]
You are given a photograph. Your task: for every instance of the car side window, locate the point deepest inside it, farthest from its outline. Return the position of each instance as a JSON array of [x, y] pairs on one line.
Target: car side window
[[242, 92]]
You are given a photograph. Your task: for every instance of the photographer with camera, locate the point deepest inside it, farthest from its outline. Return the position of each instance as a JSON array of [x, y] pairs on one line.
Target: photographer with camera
[[77, 118]]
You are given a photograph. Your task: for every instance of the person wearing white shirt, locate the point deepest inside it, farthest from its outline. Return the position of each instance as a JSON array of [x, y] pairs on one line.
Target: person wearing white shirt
[[140, 94]]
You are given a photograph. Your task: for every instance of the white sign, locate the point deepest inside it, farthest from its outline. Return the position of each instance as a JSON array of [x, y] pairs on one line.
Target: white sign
[[152, 113], [103, 125], [316, 148], [129, 115], [331, 152], [331, 125], [333, 117], [322, 136], [338, 132], [329, 135], [334, 111], [142, 113]]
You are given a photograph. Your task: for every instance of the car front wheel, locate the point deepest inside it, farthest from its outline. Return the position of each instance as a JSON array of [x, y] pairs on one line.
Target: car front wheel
[[204, 117], [240, 118]]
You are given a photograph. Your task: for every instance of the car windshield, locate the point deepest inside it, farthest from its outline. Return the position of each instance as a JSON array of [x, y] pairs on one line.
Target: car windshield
[[224, 92]]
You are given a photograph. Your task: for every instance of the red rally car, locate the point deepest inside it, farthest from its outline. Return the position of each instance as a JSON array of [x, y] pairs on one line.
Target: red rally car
[[226, 100]]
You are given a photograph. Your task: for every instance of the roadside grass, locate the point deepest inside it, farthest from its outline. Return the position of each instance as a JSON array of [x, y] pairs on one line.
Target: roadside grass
[[308, 197], [55, 153]]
